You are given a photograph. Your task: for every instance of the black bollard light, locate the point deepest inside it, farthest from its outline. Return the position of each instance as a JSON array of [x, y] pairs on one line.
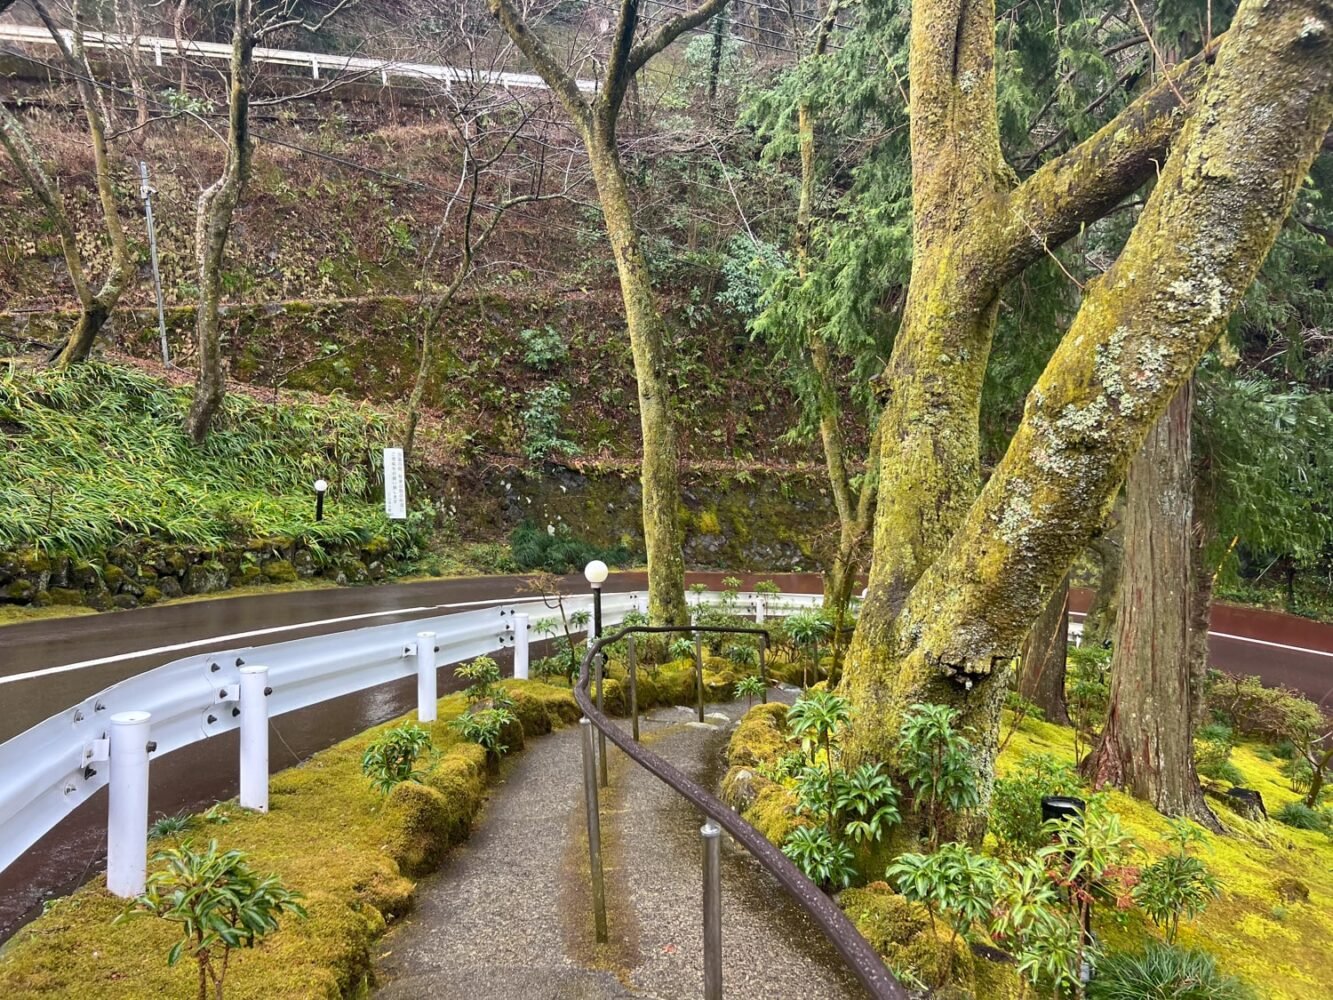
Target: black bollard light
[[321, 487]]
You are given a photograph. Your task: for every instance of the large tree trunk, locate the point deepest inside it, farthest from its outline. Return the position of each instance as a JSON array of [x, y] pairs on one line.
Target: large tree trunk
[[217, 206], [1041, 679], [647, 335], [1147, 745], [1210, 220]]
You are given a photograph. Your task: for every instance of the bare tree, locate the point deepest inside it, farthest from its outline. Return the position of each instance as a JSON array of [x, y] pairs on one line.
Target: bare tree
[[217, 204], [595, 118], [95, 306], [488, 127]]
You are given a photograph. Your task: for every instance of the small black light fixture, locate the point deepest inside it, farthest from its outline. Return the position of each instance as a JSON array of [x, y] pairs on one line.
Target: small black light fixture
[[596, 573], [321, 487], [1062, 807]]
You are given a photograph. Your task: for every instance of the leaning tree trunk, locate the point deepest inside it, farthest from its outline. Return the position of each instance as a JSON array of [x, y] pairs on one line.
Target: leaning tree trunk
[[1041, 679], [647, 334], [1147, 745]]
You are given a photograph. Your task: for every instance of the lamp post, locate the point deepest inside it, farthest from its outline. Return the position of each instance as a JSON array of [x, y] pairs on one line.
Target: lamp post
[[596, 574], [321, 487]]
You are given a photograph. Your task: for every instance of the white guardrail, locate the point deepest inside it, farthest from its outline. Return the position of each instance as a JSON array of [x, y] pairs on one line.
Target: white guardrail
[[52, 768], [316, 62]]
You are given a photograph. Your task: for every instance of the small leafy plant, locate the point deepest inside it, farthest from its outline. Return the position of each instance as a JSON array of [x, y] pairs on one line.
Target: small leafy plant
[[937, 761], [392, 756], [816, 718], [1015, 816], [825, 861], [486, 688], [220, 903], [952, 882], [1178, 884], [749, 688], [486, 728]]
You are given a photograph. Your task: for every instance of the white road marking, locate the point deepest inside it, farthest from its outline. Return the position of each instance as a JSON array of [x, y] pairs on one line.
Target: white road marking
[[220, 640], [1246, 638]]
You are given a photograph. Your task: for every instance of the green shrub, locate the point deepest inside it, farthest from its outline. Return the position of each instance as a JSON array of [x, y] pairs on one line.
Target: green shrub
[[1212, 759], [939, 764], [392, 756], [486, 688], [1163, 972], [559, 550], [541, 424], [543, 349], [1015, 816], [749, 688]]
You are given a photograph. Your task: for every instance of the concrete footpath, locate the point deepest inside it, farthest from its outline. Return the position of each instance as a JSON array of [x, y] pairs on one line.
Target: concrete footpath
[[509, 917]]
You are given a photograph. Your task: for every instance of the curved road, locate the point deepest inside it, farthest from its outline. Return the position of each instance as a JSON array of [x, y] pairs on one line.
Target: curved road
[[47, 666]]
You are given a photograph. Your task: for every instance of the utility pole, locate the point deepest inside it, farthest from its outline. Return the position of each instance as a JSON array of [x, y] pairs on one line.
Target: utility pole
[[146, 192]]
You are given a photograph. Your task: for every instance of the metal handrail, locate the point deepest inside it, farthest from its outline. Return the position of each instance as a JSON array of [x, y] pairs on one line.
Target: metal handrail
[[862, 959]]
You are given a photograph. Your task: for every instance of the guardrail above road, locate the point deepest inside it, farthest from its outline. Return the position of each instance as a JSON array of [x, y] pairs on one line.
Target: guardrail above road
[[317, 62]]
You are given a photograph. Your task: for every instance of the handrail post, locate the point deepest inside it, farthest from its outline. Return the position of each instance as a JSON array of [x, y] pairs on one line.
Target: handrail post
[[600, 660], [632, 665], [712, 843], [254, 738], [594, 831], [699, 672], [763, 666], [127, 812]]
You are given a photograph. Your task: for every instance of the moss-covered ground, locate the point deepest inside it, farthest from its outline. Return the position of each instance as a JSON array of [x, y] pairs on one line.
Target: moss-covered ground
[[1272, 925]]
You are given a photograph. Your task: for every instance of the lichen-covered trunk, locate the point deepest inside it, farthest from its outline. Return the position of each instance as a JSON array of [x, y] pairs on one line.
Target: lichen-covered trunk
[[1099, 625], [1041, 678], [1147, 744], [647, 334], [1223, 192]]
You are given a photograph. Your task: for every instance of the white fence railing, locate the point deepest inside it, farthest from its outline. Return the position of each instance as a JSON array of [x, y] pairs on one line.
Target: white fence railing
[[316, 62], [49, 770]]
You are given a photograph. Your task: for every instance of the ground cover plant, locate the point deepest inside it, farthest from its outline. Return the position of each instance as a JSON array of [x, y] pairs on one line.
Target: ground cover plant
[[95, 456], [1177, 910]]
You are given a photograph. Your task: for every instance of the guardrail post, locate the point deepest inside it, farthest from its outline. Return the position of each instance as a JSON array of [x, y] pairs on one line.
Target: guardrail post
[[521, 647], [699, 671], [426, 686], [712, 840], [594, 831], [127, 814], [632, 666], [254, 738], [759, 609], [763, 667], [600, 662]]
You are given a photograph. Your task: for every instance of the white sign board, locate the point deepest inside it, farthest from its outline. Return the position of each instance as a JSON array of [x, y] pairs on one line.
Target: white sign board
[[395, 484]]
